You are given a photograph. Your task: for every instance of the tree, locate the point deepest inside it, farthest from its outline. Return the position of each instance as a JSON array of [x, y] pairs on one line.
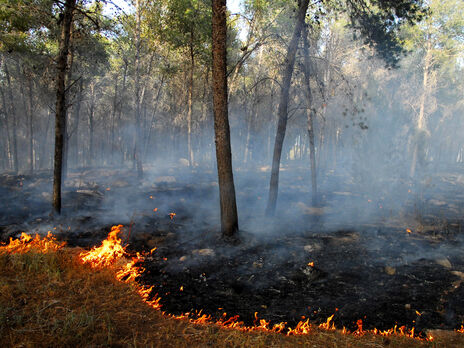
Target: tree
[[283, 105], [377, 24], [228, 206], [60, 108]]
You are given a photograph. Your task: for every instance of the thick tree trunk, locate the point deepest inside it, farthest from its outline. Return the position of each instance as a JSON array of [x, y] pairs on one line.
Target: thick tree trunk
[[229, 218], [283, 106], [310, 113], [60, 108]]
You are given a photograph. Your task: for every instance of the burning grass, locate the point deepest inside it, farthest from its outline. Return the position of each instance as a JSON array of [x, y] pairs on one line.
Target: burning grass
[[52, 299]]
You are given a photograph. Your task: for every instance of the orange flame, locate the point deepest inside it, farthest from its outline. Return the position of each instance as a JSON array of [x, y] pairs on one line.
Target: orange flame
[[26, 243], [108, 253], [171, 215]]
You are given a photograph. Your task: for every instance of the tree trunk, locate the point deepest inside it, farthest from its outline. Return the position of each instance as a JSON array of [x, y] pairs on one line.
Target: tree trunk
[[283, 106], [90, 153], [229, 217], [137, 152], [190, 102], [15, 119], [310, 113], [113, 116], [9, 141], [421, 126], [31, 128], [68, 82], [77, 111], [60, 108]]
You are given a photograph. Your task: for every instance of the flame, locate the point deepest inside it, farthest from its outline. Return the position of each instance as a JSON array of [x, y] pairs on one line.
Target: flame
[[26, 243], [408, 230], [108, 253], [171, 215], [311, 264], [156, 209]]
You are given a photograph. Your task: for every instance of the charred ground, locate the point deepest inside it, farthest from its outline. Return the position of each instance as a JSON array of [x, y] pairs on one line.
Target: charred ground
[[373, 270]]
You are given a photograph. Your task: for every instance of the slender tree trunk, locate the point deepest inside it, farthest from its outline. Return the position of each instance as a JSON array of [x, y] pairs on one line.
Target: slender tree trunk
[[118, 112], [15, 119], [9, 140], [31, 128], [283, 106], [68, 82], [190, 102], [77, 112], [91, 152], [60, 108], [155, 109], [22, 92], [113, 116], [421, 125], [229, 217], [137, 152], [310, 113]]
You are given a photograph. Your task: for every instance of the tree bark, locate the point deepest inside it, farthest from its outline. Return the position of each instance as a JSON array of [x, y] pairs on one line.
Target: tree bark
[[31, 127], [190, 102], [421, 125], [60, 108], [15, 119], [310, 113], [9, 141], [283, 106], [137, 152], [229, 217], [68, 81]]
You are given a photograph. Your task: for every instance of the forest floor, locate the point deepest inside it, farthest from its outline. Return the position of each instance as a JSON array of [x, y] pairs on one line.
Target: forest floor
[[371, 255], [52, 300]]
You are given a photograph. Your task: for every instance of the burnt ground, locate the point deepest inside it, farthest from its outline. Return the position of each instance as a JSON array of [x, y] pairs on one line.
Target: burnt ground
[[364, 268]]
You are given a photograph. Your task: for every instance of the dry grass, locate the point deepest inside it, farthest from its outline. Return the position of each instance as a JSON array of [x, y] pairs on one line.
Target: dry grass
[[51, 300]]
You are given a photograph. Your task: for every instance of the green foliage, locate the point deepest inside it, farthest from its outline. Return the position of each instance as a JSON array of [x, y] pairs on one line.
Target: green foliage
[[379, 21]]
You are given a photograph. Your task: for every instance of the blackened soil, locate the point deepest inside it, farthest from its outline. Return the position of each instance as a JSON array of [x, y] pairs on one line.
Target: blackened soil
[[351, 277]]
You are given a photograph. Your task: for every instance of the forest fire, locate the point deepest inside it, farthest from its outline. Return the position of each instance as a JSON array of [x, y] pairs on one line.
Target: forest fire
[[111, 250], [25, 243]]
